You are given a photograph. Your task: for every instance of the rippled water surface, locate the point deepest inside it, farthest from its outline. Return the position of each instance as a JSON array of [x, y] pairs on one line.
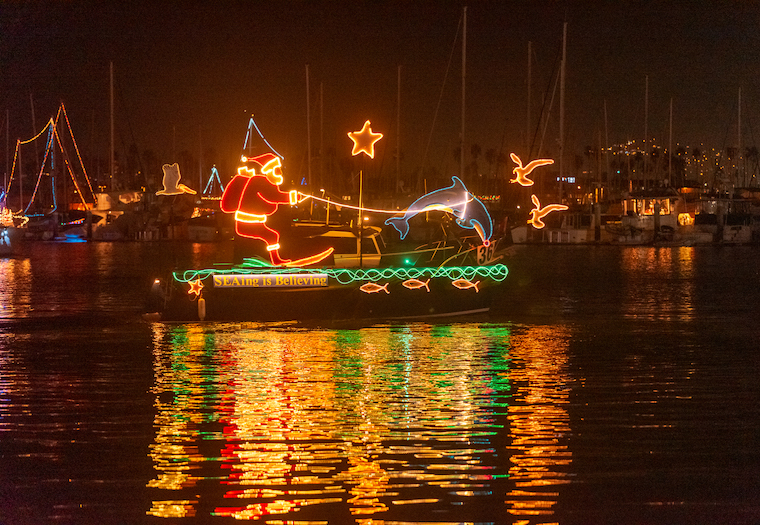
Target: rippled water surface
[[612, 385]]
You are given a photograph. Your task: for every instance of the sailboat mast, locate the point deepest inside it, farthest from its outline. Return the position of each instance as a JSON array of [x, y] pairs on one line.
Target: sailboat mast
[[464, 63], [7, 147], [308, 130], [20, 175], [646, 127], [606, 144], [739, 131], [527, 119], [322, 137], [670, 146], [111, 157], [200, 163], [398, 130], [562, 111]]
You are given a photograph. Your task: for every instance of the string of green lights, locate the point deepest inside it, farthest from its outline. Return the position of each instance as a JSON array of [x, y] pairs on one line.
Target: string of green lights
[[345, 276]]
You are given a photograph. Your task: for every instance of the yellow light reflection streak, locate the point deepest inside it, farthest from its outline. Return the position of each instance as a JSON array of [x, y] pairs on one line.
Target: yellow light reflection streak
[[278, 419], [15, 288], [538, 420], [658, 283], [175, 452], [173, 509]]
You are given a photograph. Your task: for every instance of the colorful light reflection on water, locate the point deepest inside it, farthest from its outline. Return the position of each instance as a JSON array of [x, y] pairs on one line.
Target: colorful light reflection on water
[[378, 423], [616, 385]]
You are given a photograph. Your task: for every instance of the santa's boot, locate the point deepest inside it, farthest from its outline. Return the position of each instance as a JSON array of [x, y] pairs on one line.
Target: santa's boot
[[274, 255]]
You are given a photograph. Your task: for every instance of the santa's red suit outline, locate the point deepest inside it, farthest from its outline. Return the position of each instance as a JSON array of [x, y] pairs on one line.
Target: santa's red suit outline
[[253, 197]]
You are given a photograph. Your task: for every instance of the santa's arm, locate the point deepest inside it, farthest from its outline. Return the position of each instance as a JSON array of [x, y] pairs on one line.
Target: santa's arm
[[274, 195]]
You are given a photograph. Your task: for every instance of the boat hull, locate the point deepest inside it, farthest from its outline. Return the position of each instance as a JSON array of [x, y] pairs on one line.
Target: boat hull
[[381, 298], [9, 240]]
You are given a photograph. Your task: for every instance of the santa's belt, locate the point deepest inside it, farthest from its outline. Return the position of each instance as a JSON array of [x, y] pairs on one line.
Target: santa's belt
[[242, 216]]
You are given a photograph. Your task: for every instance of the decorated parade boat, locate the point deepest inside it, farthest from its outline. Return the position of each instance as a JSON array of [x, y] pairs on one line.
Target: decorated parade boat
[[324, 271], [452, 275], [258, 291]]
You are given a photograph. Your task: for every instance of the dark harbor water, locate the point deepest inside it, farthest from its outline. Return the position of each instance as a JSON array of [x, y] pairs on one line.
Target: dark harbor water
[[614, 385]]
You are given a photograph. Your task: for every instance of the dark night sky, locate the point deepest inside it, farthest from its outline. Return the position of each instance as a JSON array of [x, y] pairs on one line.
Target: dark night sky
[[184, 69]]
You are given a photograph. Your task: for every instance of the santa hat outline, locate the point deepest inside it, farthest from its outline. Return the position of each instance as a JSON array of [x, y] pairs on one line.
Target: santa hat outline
[[270, 165]]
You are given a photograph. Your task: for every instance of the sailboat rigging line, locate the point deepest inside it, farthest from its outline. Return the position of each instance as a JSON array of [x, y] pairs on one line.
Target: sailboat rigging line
[[76, 148], [52, 129], [38, 135], [67, 162], [210, 185], [546, 120], [19, 143], [42, 167], [440, 97], [120, 94], [543, 118], [252, 123]]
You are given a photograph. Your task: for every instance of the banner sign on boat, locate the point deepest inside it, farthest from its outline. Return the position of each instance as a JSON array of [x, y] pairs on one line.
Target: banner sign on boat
[[268, 280]]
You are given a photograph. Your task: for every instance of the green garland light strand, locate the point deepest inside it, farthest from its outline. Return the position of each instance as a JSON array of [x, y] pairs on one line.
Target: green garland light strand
[[497, 272]]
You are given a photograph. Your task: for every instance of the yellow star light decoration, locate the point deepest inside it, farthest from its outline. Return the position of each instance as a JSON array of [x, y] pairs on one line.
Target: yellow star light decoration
[[195, 287], [364, 140]]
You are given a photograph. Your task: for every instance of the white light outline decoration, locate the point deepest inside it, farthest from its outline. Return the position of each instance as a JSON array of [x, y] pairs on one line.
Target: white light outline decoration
[[538, 213], [172, 185], [523, 172], [470, 213], [438, 200]]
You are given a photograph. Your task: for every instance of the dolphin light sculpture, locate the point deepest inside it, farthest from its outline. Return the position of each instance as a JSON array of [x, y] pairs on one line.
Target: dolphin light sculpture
[[457, 200]]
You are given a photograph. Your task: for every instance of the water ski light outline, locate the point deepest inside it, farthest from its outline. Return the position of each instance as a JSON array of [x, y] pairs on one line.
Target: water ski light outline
[[523, 172], [364, 140], [308, 261], [538, 213]]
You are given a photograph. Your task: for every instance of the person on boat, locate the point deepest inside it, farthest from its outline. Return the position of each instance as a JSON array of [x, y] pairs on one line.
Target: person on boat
[[253, 195]]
